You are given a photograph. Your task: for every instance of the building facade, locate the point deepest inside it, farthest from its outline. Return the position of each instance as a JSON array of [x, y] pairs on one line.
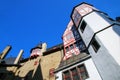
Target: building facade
[[90, 51], [39, 66], [72, 41], [100, 34]]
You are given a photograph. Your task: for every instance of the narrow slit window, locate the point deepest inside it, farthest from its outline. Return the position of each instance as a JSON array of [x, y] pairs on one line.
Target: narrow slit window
[[83, 25], [95, 45]]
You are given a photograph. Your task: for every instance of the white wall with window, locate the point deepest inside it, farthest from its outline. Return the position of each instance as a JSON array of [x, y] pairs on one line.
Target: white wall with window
[[85, 70], [110, 38], [91, 24], [105, 52]]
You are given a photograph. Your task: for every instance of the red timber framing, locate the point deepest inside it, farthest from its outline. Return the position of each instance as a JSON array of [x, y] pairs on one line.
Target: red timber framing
[[70, 37], [81, 10]]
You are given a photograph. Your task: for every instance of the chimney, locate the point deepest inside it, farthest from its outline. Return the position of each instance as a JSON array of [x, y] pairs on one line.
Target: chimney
[[18, 57], [5, 52], [44, 47]]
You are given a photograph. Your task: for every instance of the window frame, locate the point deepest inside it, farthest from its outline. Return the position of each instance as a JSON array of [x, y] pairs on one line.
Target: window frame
[[71, 46], [82, 69], [65, 77], [67, 49], [78, 73], [76, 17], [74, 73], [95, 45]]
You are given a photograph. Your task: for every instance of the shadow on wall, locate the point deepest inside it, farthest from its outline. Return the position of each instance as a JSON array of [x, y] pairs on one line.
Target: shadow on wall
[[10, 75], [32, 75], [6, 74], [38, 74], [27, 77]]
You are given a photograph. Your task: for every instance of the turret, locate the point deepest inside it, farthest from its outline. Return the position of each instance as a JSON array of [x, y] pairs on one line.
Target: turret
[[101, 35], [38, 50], [80, 11]]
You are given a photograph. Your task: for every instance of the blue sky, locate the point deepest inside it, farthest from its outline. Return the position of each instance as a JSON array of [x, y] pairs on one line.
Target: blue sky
[[25, 23]]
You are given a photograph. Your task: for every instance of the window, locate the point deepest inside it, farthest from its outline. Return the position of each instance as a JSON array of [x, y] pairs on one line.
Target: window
[[76, 35], [76, 73], [80, 45], [67, 49], [76, 17], [83, 72], [75, 32], [83, 25], [66, 75], [71, 46], [69, 36], [95, 45]]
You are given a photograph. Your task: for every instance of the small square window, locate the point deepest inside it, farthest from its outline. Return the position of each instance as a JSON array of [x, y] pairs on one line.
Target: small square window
[[69, 36], [76, 17], [67, 49], [80, 45], [83, 25], [71, 46], [95, 45]]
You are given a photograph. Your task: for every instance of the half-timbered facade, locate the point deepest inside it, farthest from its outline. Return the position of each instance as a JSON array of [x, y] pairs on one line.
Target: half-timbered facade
[[72, 41]]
